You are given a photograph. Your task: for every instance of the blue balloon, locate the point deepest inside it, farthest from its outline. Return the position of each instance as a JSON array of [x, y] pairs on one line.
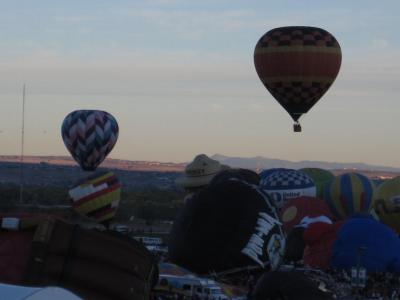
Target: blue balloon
[[282, 185], [363, 241]]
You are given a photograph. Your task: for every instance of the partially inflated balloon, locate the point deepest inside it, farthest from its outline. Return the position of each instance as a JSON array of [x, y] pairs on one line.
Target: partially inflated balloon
[[367, 243], [297, 65], [230, 224], [89, 136], [304, 210], [287, 184], [97, 196], [321, 177], [319, 239], [387, 203], [349, 194]]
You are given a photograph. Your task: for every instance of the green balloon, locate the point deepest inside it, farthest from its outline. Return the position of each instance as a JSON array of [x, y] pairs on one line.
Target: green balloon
[[321, 177]]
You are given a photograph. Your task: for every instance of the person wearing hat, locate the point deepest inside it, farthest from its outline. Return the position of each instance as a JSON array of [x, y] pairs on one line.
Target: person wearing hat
[[199, 173]]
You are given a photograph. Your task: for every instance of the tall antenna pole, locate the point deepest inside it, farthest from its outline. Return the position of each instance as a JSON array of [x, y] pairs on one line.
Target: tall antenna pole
[[21, 190]]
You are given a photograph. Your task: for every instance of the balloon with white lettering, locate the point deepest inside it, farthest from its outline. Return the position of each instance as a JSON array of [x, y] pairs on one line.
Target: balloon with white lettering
[[231, 224], [287, 184]]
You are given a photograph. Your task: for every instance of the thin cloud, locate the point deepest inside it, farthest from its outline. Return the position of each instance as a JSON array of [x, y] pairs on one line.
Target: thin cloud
[[77, 18]]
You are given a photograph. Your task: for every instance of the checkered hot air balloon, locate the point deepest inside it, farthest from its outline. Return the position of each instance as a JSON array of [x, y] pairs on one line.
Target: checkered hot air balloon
[[97, 196], [89, 136], [286, 184], [297, 65]]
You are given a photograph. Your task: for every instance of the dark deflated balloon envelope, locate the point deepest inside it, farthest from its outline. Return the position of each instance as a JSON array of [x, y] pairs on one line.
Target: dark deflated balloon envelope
[[246, 175], [295, 245], [290, 285], [89, 136], [227, 225], [297, 65]]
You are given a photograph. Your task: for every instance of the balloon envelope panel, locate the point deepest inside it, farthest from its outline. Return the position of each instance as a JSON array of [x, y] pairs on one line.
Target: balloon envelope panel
[[387, 203], [368, 242], [265, 173], [320, 238], [239, 174], [321, 177], [287, 184], [97, 196], [349, 194], [227, 225], [296, 209], [297, 65]]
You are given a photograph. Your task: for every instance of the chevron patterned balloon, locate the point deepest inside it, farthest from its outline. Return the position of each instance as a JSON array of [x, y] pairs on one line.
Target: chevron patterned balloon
[[89, 136]]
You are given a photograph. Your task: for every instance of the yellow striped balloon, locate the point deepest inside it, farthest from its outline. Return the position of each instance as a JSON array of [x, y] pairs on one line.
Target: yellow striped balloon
[[97, 196], [387, 203], [349, 194]]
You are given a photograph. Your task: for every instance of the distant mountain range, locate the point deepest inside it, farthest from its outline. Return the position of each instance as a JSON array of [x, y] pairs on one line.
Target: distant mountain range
[[259, 162], [254, 163]]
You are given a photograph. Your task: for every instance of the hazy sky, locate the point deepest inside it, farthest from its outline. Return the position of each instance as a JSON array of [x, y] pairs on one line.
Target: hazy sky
[[180, 79]]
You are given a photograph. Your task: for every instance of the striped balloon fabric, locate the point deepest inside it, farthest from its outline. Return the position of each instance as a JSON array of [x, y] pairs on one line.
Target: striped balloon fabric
[[387, 203], [297, 64], [97, 197], [349, 194], [89, 136]]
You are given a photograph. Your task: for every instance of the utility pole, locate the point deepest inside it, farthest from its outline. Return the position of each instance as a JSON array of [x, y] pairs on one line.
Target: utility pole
[[360, 279], [21, 190]]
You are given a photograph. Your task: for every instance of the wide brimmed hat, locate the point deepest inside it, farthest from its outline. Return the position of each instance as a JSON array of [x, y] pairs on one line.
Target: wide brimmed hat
[[200, 172]]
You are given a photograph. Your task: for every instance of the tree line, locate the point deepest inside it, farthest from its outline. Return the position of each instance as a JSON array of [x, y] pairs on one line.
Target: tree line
[[145, 203]]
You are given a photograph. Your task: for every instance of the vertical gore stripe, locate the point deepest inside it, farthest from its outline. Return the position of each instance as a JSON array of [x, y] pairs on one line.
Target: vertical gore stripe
[[368, 192], [334, 193], [358, 192], [346, 192]]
